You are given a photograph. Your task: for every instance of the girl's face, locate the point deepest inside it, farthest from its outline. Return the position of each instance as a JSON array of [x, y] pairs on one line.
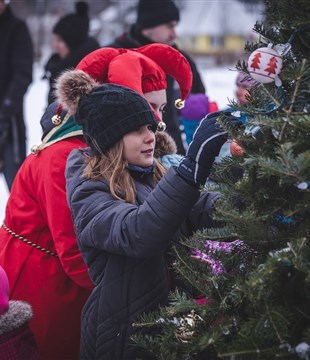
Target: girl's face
[[139, 146], [158, 100]]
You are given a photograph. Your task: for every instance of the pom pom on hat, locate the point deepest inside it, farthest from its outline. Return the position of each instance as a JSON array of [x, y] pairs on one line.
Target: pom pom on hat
[[197, 107], [81, 8], [4, 291], [71, 86], [244, 80], [73, 28], [152, 13]]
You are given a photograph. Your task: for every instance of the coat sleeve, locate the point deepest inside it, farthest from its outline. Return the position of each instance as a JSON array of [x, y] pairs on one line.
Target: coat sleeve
[[57, 214], [21, 62], [130, 230]]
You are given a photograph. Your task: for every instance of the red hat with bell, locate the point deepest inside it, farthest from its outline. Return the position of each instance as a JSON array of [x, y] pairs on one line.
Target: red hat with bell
[[142, 69]]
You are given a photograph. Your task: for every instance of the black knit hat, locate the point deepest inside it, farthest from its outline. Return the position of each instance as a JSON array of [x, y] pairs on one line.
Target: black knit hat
[[111, 111], [73, 28], [156, 12]]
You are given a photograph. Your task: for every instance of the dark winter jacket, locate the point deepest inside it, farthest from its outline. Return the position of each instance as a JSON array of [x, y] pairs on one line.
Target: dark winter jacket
[[16, 59], [55, 65], [134, 39], [125, 247], [16, 340]]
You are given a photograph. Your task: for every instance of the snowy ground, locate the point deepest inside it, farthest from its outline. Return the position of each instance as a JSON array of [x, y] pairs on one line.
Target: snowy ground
[[220, 83]]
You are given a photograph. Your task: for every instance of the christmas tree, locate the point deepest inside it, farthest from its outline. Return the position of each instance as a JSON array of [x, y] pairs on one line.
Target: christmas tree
[[250, 277]]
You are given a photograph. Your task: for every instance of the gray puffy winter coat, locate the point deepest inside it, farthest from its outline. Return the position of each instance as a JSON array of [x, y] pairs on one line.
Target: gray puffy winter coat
[[124, 246]]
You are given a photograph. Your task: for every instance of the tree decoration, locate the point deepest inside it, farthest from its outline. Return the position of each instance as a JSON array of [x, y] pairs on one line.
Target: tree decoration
[[265, 64], [186, 326], [236, 149], [303, 351], [212, 248], [303, 185]]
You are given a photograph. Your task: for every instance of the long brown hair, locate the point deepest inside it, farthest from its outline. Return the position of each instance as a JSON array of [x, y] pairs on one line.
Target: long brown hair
[[113, 168]]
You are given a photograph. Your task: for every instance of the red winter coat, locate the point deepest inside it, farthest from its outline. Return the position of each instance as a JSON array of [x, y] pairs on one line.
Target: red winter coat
[[56, 287]]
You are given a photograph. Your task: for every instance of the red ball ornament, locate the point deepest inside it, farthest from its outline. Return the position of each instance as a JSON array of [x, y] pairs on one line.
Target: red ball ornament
[[236, 149], [265, 64]]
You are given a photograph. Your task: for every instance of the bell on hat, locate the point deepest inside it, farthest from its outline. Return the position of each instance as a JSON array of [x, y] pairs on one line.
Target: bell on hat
[[4, 292]]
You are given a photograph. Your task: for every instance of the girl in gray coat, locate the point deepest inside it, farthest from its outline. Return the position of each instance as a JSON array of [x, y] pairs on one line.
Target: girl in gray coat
[[127, 209]]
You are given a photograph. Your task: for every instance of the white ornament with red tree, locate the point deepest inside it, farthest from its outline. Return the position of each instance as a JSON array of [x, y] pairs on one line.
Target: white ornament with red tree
[[265, 64]]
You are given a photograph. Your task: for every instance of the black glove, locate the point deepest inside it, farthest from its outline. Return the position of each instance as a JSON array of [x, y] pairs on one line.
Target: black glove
[[207, 141]]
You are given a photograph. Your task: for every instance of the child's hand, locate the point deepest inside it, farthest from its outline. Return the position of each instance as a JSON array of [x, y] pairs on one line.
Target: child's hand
[[207, 141]]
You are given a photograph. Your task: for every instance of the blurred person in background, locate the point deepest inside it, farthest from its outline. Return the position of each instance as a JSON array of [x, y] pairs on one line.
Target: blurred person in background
[[156, 23], [70, 43], [197, 106], [243, 83], [16, 60]]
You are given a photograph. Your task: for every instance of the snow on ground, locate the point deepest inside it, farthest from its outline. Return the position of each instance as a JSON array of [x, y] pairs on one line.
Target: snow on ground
[[220, 84]]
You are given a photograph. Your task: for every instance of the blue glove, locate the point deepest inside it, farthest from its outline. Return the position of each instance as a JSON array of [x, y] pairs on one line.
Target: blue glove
[[207, 141]]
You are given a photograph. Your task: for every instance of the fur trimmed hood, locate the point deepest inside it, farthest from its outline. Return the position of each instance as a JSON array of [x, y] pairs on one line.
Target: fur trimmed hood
[[165, 144], [18, 314], [166, 150]]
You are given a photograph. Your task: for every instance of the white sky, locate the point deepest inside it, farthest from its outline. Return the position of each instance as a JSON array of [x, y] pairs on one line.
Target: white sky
[[220, 84]]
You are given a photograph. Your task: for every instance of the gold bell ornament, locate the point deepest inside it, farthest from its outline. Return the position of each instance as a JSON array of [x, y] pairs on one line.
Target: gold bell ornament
[[57, 119], [179, 104], [161, 126]]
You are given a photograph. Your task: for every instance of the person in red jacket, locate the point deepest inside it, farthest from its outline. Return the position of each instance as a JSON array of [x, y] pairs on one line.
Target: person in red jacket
[[38, 245]]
